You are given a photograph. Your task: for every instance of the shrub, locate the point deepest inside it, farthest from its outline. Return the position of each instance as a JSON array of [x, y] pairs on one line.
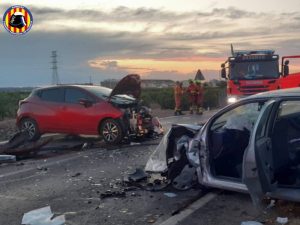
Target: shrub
[[213, 97], [9, 103]]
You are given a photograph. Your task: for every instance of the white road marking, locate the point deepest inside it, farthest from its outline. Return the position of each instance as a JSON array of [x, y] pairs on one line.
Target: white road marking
[[189, 210]]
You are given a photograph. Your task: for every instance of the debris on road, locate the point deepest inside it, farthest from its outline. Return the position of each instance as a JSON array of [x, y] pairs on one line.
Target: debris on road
[[138, 175], [135, 143], [113, 194], [19, 144], [42, 168], [251, 223], [272, 204], [282, 220], [76, 175], [42, 216], [145, 181], [170, 194], [7, 158]]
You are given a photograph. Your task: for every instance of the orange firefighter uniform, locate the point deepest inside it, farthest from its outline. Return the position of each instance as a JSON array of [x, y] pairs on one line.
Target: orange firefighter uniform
[[178, 92], [192, 92]]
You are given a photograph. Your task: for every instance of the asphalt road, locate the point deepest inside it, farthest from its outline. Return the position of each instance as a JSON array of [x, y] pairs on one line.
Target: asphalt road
[[71, 183]]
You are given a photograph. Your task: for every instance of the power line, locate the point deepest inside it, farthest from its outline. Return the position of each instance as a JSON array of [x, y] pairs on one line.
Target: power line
[[55, 78]]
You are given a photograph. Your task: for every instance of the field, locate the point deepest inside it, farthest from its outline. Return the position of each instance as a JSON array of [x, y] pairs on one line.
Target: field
[[9, 103]]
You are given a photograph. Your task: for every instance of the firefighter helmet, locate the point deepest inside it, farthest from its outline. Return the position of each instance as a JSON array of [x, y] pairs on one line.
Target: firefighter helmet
[[17, 20]]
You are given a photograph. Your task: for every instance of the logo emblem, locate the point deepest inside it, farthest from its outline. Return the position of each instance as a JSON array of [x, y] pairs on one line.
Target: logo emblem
[[17, 20]]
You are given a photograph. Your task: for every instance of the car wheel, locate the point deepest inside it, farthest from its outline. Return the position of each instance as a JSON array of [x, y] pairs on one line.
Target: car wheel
[[31, 127], [111, 131]]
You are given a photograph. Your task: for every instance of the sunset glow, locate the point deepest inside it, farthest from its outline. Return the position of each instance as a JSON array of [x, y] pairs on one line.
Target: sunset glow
[[157, 39]]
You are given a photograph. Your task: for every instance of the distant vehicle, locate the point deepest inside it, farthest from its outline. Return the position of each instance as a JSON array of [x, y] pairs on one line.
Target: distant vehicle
[[254, 71], [250, 146], [90, 110]]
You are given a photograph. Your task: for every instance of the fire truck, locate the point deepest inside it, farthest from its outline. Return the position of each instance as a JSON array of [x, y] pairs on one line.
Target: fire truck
[[253, 71]]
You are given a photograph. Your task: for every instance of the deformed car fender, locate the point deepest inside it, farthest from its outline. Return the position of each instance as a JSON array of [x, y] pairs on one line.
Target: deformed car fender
[[163, 154]]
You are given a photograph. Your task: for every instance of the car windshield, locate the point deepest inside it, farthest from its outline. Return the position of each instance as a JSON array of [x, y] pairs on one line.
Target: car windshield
[[101, 92], [254, 70], [104, 93]]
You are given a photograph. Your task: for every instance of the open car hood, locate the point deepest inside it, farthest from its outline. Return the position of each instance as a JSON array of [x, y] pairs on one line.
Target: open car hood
[[129, 85]]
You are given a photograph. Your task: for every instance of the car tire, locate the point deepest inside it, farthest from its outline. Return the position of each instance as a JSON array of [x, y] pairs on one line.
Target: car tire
[[111, 131], [31, 127]]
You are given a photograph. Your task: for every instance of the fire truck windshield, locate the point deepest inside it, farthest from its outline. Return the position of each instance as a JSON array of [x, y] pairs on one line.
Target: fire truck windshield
[[254, 70]]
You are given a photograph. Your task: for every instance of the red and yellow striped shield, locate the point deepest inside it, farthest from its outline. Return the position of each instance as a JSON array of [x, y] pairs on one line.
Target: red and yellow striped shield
[[17, 20]]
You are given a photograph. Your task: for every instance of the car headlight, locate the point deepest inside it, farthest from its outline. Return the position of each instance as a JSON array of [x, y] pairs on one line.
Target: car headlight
[[232, 99]]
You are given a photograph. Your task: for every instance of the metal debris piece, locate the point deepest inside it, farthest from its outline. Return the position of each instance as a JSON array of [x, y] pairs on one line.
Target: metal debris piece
[[42, 216], [7, 158]]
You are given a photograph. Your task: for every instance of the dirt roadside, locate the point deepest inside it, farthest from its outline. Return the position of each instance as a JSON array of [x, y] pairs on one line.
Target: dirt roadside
[[7, 128]]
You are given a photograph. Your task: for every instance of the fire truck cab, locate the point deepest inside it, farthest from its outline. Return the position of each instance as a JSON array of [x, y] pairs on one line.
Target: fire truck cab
[[255, 71], [289, 79]]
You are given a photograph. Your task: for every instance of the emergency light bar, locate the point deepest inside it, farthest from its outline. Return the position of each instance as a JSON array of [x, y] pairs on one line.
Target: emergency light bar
[[253, 52]]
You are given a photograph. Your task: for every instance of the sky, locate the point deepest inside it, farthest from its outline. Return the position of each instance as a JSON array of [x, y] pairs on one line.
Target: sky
[[158, 39]]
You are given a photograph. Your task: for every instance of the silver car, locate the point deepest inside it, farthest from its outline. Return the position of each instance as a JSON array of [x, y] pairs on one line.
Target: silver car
[[251, 146]]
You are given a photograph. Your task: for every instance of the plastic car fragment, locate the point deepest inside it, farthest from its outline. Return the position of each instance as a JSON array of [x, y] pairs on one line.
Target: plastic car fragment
[[42, 216]]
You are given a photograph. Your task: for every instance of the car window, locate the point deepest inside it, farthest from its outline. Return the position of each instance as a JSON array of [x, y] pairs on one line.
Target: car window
[[52, 95], [289, 108], [289, 117], [239, 118], [73, 95]]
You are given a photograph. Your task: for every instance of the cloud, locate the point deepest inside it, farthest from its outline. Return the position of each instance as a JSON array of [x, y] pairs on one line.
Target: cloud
[[97, 42]]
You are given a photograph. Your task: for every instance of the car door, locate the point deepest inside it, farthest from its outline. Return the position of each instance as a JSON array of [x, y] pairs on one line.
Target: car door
[[258, 172], [78, 118], [49, 110], [225, 138], [292, 79]]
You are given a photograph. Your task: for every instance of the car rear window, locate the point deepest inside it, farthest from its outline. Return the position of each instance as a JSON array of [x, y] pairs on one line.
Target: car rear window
[[73, 95], [52, 95]]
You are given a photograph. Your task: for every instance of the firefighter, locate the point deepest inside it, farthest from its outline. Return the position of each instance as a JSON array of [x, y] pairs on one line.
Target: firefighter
[[200, 95], [192, 92], [178, 92]]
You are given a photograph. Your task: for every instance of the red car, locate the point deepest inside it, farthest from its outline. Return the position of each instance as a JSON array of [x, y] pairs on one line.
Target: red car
[[89, 110]]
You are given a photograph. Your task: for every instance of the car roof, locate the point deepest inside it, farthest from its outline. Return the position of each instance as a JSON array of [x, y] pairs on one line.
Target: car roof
[[289, 92], [71, 85]]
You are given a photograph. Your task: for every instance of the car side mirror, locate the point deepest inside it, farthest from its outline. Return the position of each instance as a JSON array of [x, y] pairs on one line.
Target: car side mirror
[[85, 102]]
